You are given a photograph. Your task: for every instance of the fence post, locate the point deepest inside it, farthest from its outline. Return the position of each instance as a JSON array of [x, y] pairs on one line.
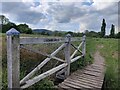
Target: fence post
[[84, 45], [13, 58], [67, 54]]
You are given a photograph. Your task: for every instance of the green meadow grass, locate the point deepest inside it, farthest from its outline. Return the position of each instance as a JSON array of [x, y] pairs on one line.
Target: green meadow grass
[[108, 48], [109, 51]]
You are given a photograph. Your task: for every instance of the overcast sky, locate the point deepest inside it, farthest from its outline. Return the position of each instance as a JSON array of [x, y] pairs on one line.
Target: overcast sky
[[62, 14]]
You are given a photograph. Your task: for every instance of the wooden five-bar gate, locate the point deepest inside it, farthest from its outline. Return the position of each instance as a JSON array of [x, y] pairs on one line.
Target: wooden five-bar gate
[[15, 42]]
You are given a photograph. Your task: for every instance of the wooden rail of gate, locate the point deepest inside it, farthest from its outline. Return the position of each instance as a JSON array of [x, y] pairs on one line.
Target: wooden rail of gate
[[14, 43]]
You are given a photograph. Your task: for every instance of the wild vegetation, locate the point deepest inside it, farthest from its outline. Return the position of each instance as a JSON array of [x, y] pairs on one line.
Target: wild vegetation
[[29, 60], [109, 50]]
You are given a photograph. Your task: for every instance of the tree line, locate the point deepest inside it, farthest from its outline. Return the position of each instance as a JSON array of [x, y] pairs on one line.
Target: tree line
[[5, 25]]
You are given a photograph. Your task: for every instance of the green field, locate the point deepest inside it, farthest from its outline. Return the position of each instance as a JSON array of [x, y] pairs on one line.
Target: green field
[[108, 49]]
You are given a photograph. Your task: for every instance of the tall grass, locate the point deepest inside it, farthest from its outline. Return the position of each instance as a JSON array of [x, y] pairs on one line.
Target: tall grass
[[30, 60], [109, 51]]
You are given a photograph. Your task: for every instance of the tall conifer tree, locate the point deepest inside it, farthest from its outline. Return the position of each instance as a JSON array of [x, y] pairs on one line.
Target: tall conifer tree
[[112, 31], [103, 28]]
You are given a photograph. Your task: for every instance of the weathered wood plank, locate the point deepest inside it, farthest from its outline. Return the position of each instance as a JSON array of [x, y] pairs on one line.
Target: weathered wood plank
[[15, 41], [76, 50], [59, 74], [84, 82], [76, 84], [36, 40], [41, 65], [41, 76], [39, 40], [87, 80], [67, 55], [93, 70], [64, 87], [86, 77], [91, 73], [91, 77], [91, 80], [96, 65], [71, 85], [75, 59], [84, 45], [13, 58], [42, 53]]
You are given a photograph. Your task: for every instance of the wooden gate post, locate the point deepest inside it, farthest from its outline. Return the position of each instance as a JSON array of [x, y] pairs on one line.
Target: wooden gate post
[[67, 54], [13, 58], [84, 45]]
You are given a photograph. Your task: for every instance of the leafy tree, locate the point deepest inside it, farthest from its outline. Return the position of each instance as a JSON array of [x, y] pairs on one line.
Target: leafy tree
[[112, 31], [78, 34], [71, 33], [103, 28], [117, 35], [44, 33], [6, 27], [3, 20], [24, 28], [92, 34], [57, 33]]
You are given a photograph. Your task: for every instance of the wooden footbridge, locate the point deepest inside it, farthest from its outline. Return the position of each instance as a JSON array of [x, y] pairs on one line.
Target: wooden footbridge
[[88, 78], [91, 77]]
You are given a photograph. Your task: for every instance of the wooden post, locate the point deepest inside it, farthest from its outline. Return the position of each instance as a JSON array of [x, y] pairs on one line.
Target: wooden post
[[67, 54], [84, 45], [13, 58]]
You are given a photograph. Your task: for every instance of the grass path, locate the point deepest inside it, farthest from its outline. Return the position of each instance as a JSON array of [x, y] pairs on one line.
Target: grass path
[[108, 48], [98, 59]]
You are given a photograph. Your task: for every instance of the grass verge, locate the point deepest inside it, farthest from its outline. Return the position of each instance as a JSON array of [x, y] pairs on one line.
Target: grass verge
[[109, 50]]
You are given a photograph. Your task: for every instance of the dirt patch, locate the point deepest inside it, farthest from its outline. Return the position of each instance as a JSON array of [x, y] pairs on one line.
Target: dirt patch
[[98, 58], [115, 55], [100, 46]]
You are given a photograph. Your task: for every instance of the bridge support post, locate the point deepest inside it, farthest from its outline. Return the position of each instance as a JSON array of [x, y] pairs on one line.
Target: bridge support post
[[13, 59], [67, 54], [84, 45]]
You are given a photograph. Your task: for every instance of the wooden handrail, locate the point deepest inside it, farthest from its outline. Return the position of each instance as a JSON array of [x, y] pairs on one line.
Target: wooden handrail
[[13, 57]]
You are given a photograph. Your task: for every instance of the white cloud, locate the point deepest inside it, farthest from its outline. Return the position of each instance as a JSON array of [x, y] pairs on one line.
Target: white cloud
[[89, 17], [54, 15], [83, 27]]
